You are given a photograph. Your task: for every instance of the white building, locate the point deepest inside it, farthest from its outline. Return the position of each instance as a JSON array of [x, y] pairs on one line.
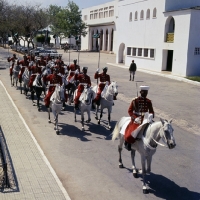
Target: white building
[[160, 35], [100, 20]]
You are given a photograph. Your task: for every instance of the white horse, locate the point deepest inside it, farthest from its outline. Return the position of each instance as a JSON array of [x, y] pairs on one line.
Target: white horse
[[45, 72], [56, 102], [106, 100], [25, 78], [85, 103], [15, 74], [146, 145]]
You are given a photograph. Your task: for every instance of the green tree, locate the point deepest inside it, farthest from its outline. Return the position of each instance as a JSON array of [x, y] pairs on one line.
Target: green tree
[[67, 21]]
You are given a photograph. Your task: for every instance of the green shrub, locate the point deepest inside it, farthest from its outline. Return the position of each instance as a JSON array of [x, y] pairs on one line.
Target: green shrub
[[194, 78]]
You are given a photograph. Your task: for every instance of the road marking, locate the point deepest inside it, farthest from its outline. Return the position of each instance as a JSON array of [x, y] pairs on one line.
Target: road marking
[[39, 148]]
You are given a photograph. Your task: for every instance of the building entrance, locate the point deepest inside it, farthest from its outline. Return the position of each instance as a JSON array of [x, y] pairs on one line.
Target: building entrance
[[169, 60]]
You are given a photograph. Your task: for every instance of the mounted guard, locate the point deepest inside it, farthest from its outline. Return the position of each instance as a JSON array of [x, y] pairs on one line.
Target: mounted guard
[[82, 78], [104, 79], [14, 61], [137, 109]]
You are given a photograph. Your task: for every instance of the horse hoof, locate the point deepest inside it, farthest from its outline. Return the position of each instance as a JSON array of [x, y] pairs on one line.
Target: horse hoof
[[39, 109], [49, 121], [98, 122], [135, 175], [57, 132], [145, 191], [63, 108], [83, 129], [96, 118], [121, 166]]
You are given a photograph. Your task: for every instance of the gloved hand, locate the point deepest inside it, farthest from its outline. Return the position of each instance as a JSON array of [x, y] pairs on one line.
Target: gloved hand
[[138, 120], [107, 83], [77, 72], [97, 70]]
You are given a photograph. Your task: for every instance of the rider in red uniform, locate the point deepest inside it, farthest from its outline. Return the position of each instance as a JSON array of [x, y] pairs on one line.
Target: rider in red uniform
[[82, 78], [59, 62], [104, 78], [72, 68], [53, 79], [13, 59], [24, 63], [138, 107]]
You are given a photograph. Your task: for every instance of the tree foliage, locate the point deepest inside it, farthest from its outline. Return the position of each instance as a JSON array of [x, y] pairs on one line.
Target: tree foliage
[[67, 21]]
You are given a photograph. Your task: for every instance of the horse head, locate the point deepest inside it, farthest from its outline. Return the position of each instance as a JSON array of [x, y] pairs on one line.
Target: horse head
[[87, 95], [167, 133], [113, 88]]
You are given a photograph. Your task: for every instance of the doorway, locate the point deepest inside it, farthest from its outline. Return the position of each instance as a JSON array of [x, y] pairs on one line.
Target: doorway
[[169, 60]]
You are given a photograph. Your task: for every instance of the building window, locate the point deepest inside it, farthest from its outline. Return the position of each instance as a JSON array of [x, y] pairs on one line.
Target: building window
[[142, 15], [130, 17], [152, 53], [134, 52], [136, 15], [139, 51], [105, 14], [197, 51], [154, 12], [146, 52], [111, 13], [91, 16], [85, 17], [128, 51], [95, 15], [148, 14]]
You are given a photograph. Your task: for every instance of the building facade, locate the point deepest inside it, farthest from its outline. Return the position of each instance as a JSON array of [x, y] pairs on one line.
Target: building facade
[[158, 35]]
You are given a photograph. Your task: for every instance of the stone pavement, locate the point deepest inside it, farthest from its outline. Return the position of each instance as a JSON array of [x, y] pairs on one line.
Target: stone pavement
[[33, 176]]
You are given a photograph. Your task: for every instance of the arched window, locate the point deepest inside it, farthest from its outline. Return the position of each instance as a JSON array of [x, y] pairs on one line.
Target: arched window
[[142, 14], [136, 14], [130, 17], [148, 14], [154, 13]]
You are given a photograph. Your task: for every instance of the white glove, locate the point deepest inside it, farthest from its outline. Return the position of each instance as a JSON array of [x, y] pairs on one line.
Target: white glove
[[97, 70], [77, 72], [107, 83], [138, 120]]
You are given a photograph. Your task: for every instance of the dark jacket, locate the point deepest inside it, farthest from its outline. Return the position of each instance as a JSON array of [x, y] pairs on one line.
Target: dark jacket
[[133, 67]]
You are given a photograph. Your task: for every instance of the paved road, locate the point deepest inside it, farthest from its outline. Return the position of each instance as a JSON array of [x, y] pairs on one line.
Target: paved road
[[87, 162]]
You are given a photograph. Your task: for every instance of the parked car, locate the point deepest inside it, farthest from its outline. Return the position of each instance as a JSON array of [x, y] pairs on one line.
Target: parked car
[[37, 51]]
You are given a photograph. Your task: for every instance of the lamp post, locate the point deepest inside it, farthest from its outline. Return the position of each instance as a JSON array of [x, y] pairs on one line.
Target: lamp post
[[97, 36]]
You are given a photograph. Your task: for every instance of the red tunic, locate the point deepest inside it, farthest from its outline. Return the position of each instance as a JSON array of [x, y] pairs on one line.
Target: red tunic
[[83, 78], [36, 69], [137, 108], [103, 78], [53, 79], [13, 59], [73, 68], [24, 64], [42, 63], [32, 78], [59, 62]]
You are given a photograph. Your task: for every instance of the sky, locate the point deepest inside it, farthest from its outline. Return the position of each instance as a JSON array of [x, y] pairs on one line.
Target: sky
[[45, 3]]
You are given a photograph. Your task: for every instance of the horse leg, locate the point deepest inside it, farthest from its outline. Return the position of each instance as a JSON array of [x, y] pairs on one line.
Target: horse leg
[[96, 113], [101, 115], [144, 188], [49, 115], [109, 120], [133, 163], [149, 159], [89, 119], [82, 120], [32, 97], [121, 141], [21, 87], [74, 114]]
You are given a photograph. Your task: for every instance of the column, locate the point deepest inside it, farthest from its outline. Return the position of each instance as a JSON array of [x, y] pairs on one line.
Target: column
[[109, 40], [104, 40]]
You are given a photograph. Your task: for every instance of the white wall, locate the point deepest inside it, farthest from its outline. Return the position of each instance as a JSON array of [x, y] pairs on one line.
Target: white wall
[[193, 64]]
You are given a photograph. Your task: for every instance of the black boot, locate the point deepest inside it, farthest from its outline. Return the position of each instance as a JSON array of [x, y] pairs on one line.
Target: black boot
[[127, 146], [93, 106], [76, 107]]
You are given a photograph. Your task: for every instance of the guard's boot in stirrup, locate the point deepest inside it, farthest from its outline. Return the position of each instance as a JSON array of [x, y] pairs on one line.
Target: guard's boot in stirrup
[[127, 146]]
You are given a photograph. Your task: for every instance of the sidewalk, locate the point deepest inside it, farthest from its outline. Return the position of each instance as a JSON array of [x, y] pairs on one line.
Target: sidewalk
[[163, 73], [33, 176]]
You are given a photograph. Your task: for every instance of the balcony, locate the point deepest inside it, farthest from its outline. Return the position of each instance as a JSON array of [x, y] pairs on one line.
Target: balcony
[[170, 37]]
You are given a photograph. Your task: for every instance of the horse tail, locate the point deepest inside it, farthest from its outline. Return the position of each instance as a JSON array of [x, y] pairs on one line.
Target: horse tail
[[115, 132]]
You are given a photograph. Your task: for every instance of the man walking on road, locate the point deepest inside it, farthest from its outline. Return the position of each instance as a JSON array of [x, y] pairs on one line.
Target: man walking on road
[[132, 70]]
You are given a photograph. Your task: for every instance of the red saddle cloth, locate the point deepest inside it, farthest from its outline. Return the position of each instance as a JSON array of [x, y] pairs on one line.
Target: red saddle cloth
[[129, 129]]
